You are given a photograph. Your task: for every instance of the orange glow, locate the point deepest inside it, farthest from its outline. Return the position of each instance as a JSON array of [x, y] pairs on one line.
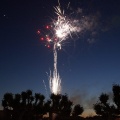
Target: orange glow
[[88, 113]]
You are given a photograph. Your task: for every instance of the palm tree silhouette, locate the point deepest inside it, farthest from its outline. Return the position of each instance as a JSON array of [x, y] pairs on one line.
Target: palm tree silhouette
[[103, 107], [55, 99], [37, 95], [78, 110]]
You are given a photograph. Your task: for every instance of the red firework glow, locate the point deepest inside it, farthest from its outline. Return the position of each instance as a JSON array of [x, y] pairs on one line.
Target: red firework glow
[[47, 27], [42, 38], [47, 36]]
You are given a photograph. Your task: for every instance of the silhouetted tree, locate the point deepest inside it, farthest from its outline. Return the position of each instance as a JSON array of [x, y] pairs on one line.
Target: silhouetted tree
[[47, 106], [39, 105], [77, 110], [104, 108], [65, 106], [7, 101], [18, 105], [25, 106], [116, 97], [60, 105], [55, 100], [7, 104]]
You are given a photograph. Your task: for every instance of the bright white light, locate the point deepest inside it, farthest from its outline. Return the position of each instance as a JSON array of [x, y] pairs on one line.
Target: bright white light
[[63, 28], [63, 31], [55, 81]]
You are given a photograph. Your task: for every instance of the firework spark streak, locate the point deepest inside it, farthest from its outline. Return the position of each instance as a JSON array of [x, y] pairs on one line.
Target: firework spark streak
[[55, 81], [45, 87], [63, 29]]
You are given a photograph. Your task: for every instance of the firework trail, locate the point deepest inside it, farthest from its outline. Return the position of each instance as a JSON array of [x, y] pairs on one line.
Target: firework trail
[[62, 28], [45, 87], [55, 80], [59, 31]]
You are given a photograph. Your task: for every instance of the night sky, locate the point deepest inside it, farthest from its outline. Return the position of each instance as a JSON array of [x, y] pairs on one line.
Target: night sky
[[89, 64]]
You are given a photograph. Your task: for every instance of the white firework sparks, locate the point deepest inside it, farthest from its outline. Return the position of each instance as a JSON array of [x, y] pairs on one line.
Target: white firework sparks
[[55, 81], [63, 28], [61, 31]]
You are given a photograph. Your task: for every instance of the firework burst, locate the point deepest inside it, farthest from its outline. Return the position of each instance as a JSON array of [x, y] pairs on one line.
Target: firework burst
[[60, 30], [63, 28]]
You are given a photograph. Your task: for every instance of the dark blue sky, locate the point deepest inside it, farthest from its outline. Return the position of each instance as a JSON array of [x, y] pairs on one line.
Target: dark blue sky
[[88, 65]]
